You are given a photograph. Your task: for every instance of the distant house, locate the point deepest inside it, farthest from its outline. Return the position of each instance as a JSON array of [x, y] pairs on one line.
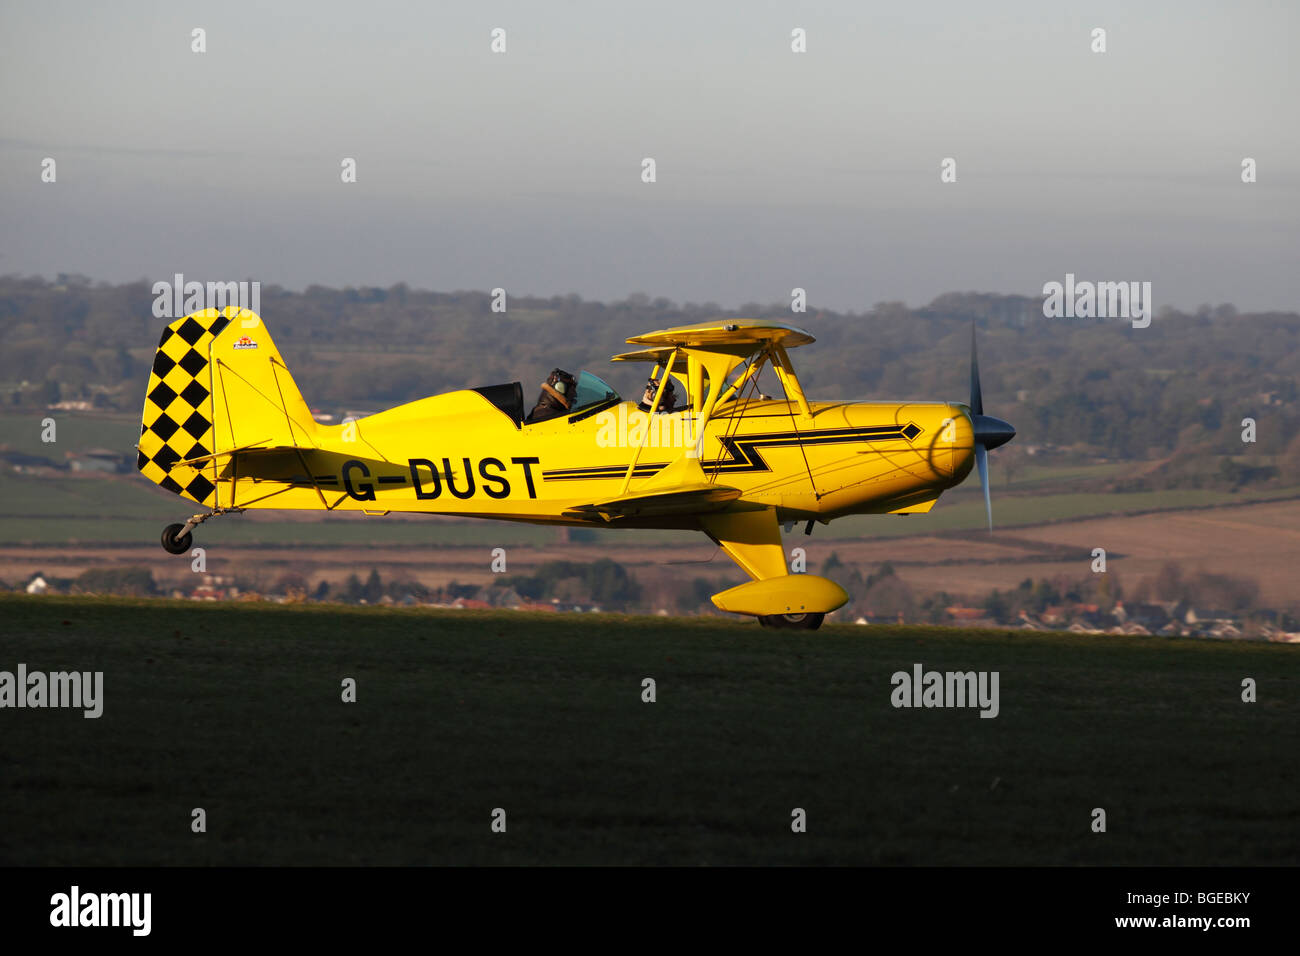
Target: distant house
[[970, 616], [1151, 616], [1223, 630], [104, 460], [504, 597], [1055, 614], [37, 585], [1207, 616], [471, 604], [24, 463], [1091, 617]]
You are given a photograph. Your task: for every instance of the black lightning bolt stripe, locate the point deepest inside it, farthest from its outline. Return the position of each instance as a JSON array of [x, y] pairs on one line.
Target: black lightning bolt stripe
[[743, 456]]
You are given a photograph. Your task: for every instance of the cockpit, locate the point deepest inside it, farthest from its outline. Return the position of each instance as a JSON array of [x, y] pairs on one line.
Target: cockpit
[[563, 396], [573, 398], [592, 394]]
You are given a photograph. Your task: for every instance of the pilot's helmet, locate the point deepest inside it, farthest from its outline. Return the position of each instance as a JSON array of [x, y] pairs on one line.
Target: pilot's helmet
[[651, 387], [560, 380]]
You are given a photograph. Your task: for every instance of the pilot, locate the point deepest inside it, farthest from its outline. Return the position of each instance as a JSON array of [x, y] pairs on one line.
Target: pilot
[[648, 399], [556, 397]]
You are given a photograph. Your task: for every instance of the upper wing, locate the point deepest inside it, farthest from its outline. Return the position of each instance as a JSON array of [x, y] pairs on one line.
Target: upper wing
[[727, 334], [661, 355]]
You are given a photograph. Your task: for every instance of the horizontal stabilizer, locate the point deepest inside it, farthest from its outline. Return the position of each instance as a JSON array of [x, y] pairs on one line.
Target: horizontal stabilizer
[[227, 452]]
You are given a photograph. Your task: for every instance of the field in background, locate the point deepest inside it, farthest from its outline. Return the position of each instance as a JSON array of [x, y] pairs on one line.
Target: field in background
[[127, 509], [1260, 541], [236, 709]]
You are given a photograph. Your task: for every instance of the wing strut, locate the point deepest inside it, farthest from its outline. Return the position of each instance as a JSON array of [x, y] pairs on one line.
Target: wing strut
[[791, 384], [645, 436]]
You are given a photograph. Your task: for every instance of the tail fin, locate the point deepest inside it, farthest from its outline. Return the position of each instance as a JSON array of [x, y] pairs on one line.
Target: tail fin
[[218, 385]]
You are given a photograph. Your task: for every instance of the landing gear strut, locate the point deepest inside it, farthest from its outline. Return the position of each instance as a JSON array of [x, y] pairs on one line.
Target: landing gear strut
[[801, 622], [177, 538]]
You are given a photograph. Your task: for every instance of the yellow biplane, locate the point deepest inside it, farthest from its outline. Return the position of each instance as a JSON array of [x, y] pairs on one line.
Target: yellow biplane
[[225, 426]]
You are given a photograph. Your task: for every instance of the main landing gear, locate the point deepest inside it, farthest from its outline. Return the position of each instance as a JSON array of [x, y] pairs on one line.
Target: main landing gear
[[178, 539], [800, 622]]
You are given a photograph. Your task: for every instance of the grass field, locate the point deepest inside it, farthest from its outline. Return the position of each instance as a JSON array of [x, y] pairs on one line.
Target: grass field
[[123, 510], [236, 709], [74, 431]]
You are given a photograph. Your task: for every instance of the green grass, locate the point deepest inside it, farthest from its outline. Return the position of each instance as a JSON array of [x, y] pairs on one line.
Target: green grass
[[59, 511], [89, 497], [963, 509], [236, 709], [1031, 476], [325, 533], [74, 431], [99, 511]]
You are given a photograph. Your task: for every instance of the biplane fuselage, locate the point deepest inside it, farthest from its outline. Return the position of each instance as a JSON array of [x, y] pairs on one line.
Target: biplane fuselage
[[458, 454], [225, 426]]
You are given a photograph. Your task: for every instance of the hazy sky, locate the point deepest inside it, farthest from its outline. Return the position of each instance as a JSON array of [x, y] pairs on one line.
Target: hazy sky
[[775, 169]]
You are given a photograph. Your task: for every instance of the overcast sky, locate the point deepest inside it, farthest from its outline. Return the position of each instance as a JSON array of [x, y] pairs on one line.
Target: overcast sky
[[775, 169]]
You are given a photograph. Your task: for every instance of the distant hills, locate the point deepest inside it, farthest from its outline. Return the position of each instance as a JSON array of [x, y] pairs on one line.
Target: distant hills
[[1173, 394]]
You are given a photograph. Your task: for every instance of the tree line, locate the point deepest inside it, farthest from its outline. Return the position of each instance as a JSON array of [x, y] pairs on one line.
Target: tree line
[[1093, 387]]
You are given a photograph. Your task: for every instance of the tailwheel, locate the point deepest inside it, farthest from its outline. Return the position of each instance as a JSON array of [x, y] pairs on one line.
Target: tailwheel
[[809, 621], [176, 540]]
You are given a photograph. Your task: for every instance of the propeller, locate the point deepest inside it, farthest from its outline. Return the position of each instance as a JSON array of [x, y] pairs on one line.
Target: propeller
[[990, 432]]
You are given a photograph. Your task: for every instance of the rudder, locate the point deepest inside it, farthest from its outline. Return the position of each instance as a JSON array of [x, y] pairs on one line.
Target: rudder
[[176, 424]]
